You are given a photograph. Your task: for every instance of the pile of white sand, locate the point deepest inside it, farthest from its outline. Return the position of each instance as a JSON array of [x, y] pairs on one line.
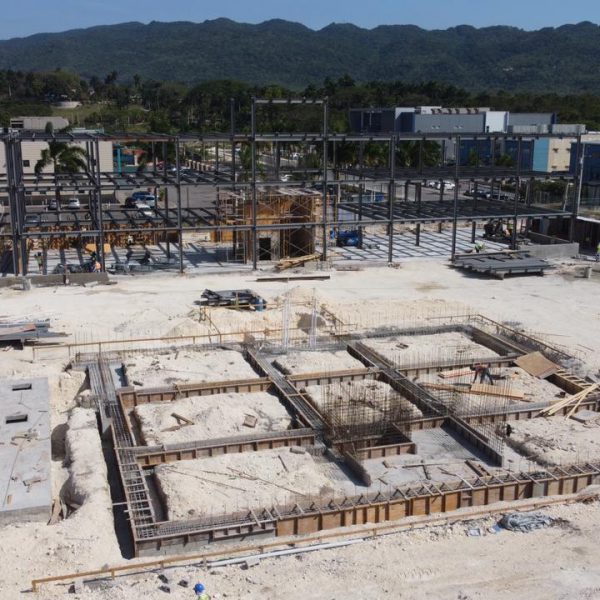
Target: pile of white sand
[[296, 363], [414, 349], [216, 416], [163, 369], [556, 440], [237, 482]]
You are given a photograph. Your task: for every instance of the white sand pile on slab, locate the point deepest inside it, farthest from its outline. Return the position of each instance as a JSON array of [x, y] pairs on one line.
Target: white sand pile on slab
[[556, 440], [85, 540], [220, 415], [236, 482], [368, 395], [296, 363], [380, 312], [88, 483], [161, 369], [415, 349]]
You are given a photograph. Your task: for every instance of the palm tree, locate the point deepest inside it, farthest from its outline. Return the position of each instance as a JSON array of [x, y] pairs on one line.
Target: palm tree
[[409, 153], [63, 158]]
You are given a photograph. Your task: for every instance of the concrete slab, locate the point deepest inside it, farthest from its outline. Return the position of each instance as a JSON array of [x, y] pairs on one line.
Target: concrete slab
[[433, 244], [25, 452], [444, 454]]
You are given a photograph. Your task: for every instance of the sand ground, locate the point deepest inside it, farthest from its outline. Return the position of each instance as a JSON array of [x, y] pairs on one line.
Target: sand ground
[[553, 563]]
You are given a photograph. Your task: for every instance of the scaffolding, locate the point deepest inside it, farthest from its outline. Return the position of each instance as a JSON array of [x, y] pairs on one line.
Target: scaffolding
[[283, 207]]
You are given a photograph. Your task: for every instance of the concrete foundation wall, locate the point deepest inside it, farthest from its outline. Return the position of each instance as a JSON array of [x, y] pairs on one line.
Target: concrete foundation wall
[[554, 250]]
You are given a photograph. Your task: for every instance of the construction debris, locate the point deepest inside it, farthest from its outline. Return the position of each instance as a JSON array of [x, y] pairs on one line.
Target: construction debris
[[182, 420], [26, 332], [288, 263], [250, 421], [233, 299], [525, 522], [573, 401]]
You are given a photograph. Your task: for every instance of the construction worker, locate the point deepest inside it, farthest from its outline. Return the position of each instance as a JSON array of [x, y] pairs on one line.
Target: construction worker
[[482, 371], [200, 592], [39, 259]]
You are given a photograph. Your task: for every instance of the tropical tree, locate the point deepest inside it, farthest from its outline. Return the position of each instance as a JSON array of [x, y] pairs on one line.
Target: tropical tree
[[62, 157], [411, 152]]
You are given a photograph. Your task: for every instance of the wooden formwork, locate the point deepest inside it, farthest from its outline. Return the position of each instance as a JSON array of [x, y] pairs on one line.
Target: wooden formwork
[[148, 456], [425, 499], [274, 206], [131, 397]]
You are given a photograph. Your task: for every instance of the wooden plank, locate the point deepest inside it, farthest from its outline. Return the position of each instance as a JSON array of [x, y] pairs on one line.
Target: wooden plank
[[180, 419], [536, 364], [287, 263], [496, 390], [454, 373]]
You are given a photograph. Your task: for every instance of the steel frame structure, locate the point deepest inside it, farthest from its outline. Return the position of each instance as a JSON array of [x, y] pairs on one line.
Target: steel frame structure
[[102, 219]]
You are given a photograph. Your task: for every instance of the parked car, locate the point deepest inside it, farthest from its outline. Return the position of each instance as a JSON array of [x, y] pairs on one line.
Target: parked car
[[145, 197], [145, 212], [74, 203], [53, 204], [131, 202], [32, 220]]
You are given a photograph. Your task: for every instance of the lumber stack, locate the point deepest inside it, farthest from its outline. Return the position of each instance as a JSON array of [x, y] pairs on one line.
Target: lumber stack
[[573, 401], [455, 373], [288, 263]]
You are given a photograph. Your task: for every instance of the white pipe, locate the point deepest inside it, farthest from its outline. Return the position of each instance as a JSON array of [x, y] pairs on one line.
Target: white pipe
[[289, 551]]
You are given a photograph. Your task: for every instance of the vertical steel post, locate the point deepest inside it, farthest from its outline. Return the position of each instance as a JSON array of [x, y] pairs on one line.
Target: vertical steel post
[[325, 236], [253, 186], [232, 126], [12, 202], [391, 198], [100, 216], [455, 205], [179, 221], [513, 237], [579, 175]]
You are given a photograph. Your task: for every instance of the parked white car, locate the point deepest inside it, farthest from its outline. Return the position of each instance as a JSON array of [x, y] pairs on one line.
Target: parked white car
[[74, 203]]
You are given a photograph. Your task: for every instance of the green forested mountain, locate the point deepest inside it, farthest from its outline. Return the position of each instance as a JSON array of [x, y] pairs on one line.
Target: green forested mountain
[[562, 60]]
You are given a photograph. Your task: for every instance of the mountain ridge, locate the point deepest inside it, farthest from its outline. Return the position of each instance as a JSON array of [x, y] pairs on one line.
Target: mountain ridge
[[560, 59]]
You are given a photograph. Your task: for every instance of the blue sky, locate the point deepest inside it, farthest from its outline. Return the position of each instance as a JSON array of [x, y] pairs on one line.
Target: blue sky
[[25, 17]]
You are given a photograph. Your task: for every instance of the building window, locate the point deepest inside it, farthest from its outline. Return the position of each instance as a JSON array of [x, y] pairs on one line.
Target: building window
[[26, 163]]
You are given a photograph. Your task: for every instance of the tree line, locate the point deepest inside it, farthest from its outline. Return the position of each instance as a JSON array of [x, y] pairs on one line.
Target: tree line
[[146, 105]]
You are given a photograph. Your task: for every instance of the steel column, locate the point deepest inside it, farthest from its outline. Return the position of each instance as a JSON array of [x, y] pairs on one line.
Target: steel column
[[325, 166], [179, 222], [254, 202]]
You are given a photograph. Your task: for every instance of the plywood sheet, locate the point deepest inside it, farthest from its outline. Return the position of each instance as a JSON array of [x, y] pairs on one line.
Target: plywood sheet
[[536, 364]]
